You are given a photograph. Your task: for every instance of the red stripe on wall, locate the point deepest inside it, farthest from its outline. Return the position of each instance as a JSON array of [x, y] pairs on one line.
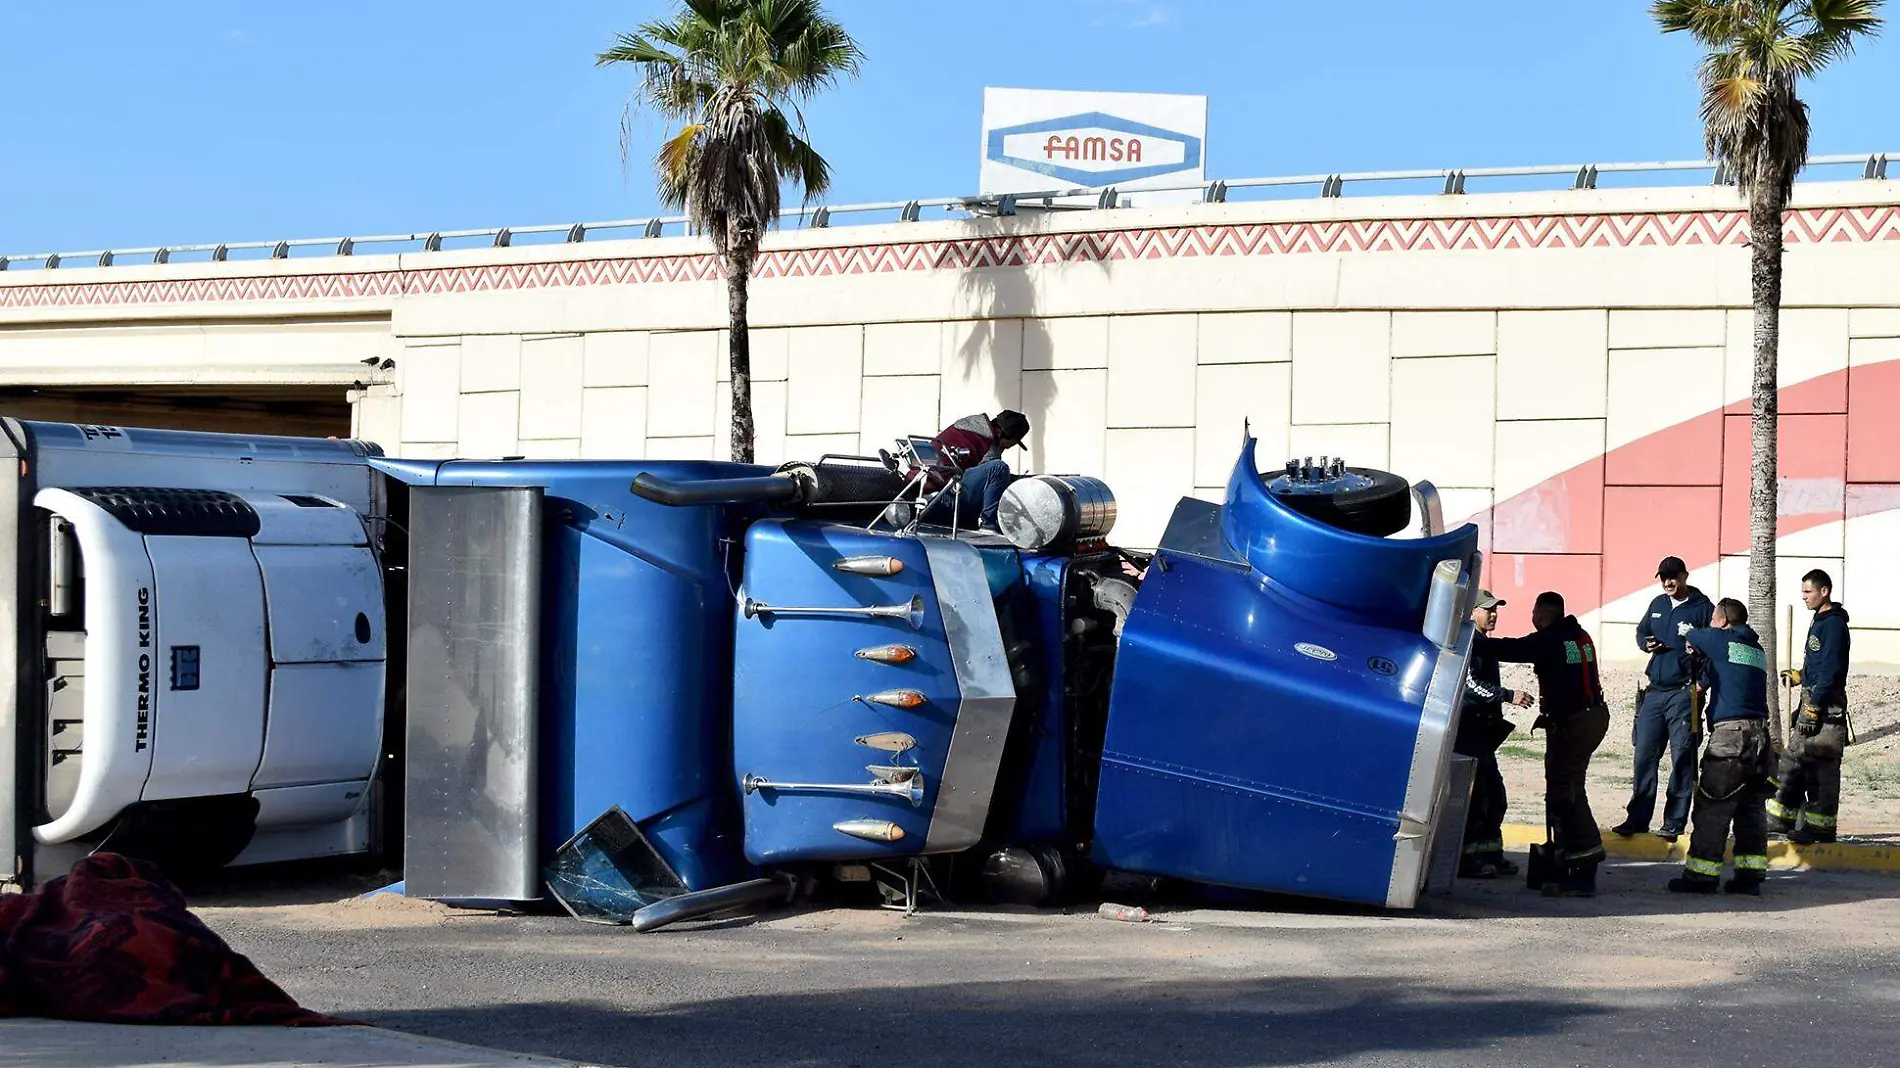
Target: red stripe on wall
[[1596, 531]]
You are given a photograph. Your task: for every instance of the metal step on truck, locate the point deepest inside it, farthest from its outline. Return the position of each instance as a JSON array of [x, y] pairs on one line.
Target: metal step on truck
[[631, 685]]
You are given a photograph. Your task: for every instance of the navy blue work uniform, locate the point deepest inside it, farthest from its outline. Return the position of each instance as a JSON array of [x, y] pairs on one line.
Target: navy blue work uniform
[[1810, 793], [1482, 728], [1663, 712], [1738, 765], [1575, 719]]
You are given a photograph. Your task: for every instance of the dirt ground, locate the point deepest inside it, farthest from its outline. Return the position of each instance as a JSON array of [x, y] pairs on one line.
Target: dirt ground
[[1870, 774]]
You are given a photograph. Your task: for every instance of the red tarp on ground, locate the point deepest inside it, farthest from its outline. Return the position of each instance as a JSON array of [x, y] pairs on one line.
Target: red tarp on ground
[[112, 941]]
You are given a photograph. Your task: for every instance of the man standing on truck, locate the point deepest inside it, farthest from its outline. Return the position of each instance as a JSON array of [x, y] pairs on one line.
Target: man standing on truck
[[1808, 804], [1740, 760], [1575, 719], [1664, 712], [1482, 728], [975, 445]]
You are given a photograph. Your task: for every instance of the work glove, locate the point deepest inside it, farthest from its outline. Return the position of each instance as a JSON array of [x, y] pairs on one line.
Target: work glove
[[1809, 724], [1791, 676]]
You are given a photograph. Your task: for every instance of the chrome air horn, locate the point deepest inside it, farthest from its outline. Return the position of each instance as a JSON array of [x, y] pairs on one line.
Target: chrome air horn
[[911, 789], [911, 612]]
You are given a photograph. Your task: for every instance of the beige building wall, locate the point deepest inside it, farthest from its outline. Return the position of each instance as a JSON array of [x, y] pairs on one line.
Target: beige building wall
[[1564, 365]]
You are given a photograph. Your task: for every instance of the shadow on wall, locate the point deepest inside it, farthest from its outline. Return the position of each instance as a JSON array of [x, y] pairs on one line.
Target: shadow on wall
[[1277, 1021], [996, 301]]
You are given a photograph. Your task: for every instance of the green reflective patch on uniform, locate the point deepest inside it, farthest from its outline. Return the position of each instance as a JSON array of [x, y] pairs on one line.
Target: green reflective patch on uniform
[[1572, 654], [1779, 810], [1751, 862], [1815, 819], [1698, 866], [1747, 656]]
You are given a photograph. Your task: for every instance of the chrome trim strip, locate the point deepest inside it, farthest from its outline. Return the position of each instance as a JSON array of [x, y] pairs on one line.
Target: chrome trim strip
[[987, 696], [1431, 751], [1431, 765]]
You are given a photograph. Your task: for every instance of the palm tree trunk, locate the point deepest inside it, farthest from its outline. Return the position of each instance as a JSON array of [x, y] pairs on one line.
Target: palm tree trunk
[[1764, 222], [739, 350]]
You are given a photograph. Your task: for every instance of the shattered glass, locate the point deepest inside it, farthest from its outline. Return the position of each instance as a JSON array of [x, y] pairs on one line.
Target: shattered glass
[[609, 871]]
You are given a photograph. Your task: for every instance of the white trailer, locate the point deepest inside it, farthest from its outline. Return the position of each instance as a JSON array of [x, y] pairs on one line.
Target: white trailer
[[193, 647]]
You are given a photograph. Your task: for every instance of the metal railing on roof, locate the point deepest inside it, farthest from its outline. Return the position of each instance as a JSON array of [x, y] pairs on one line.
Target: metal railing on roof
[[1448, 182]]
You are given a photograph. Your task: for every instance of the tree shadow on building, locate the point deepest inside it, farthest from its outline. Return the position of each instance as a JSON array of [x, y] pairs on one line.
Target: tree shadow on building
[[994, 301]]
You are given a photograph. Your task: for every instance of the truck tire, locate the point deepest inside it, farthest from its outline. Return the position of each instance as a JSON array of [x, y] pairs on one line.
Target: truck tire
[[1377, 510]]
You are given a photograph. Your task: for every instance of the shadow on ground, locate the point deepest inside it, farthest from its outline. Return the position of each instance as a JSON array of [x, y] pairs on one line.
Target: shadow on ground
[[1208, 1023]]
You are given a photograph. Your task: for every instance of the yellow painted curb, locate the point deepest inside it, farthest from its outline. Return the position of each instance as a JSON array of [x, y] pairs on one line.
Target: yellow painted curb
[[1782, 856]]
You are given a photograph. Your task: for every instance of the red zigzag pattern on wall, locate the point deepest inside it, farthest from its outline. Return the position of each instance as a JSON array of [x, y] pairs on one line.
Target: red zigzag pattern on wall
[[1659, 230]]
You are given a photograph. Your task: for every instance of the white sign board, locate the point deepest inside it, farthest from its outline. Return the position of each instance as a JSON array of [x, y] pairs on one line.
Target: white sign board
[[1040, 140]]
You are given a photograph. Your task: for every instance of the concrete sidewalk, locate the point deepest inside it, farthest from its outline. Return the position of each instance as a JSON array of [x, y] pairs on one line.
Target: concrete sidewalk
[[1880, 856], [59, 1044]]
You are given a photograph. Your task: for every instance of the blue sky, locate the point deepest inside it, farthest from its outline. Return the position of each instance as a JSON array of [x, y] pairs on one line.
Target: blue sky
[[129, 123]]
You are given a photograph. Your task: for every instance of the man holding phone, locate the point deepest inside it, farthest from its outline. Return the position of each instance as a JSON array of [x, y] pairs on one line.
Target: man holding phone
[[1665, 705]]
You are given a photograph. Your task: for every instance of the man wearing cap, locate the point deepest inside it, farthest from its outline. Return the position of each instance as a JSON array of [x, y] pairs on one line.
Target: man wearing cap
[[1575, 719], [1665, 706], [1482, 728], [1739, 763], [975, 445]]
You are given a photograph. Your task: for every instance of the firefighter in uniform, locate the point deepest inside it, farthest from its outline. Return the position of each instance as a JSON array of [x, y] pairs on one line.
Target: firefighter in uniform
[[1738, 765], [1808, 803], [1663, 712], [1575, 719], [1482, 728]]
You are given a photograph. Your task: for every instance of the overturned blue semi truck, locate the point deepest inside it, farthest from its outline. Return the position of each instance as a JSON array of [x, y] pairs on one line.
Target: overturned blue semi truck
[[710, 681]]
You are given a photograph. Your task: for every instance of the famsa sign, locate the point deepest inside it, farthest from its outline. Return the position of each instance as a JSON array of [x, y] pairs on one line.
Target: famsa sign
[[1037, 140]]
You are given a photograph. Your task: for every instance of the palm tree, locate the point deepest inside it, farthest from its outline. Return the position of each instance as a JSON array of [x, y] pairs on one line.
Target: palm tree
[[736, 74], [1758, 51]]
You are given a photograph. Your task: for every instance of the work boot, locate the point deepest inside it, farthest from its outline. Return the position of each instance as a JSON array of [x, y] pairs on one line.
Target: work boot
[[1629, 829], [1691, 883], [1505, 865], [1580, 880], [1745, 884], [1669, 834], [1805, 835], [1477, 868], [1777, 825]]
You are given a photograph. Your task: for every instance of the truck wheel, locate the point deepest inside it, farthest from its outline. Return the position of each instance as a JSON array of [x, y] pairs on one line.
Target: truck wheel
[[1363, 501]]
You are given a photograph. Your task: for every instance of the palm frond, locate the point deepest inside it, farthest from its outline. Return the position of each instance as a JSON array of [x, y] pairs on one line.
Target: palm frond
[[819, 57], [734, 73], [1758, 51], [1850, 17], [1708, 21], [798, 161]]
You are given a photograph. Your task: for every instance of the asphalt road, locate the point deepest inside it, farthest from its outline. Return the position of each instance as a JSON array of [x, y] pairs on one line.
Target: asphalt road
[[1808, 976]]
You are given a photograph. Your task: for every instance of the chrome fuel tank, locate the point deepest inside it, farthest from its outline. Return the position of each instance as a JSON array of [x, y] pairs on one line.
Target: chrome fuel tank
[[1043, 512]]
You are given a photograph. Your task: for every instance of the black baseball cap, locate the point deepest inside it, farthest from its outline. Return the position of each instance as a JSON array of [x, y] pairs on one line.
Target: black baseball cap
[[1012, 424], [1672, 566]]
